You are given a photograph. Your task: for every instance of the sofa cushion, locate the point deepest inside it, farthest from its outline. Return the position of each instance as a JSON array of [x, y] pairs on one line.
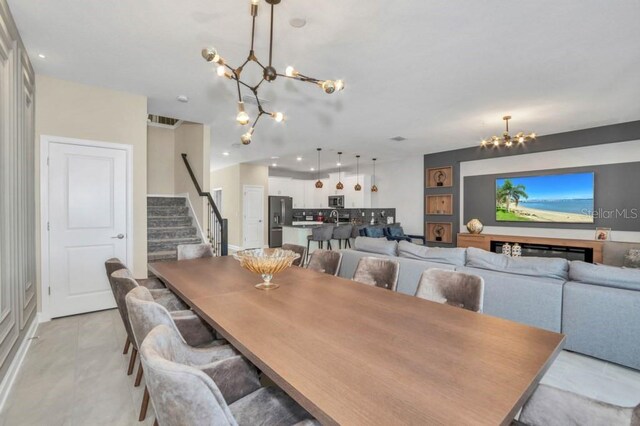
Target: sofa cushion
[[374, 232], [546, 267], [376, 245], [451, 256], [608, 276]]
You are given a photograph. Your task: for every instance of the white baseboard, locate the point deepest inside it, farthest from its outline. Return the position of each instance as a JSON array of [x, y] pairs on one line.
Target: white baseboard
[[16, 363], [233, 249]]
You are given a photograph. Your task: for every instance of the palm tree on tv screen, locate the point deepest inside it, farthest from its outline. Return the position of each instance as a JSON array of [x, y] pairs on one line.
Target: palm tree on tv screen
[[509, 192]]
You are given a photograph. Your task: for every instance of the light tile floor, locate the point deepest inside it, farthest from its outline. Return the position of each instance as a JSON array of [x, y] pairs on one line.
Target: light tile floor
[[75, 374]]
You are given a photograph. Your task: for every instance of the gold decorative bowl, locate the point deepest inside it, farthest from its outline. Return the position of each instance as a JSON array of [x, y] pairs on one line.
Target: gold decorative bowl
[[266, 262]]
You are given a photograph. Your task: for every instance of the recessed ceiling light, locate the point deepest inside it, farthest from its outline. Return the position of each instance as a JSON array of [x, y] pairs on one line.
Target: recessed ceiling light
[[226, 153], [183, 98], [338, 164], [399, 138], [297, 22], [274, 157], [274, 165], [298, 158], [312, 169], [41, 56]]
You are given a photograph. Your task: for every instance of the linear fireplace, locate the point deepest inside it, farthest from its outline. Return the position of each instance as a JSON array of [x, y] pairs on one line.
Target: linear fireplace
[[547, 250]]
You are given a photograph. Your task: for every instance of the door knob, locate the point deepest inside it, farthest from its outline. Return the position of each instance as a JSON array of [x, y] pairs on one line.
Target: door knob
[[119, 236]]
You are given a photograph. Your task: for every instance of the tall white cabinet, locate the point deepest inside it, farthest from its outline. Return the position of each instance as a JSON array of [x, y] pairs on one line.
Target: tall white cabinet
[[17, 197]]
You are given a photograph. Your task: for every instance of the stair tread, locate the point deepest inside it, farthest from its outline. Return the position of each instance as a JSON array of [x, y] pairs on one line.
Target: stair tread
[[179, 239]]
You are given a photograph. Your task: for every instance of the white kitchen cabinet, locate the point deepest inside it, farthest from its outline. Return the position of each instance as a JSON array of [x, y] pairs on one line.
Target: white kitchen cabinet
[[297, 193], [279, 186]]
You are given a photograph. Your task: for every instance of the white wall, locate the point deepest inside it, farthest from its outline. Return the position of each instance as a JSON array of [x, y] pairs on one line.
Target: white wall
[[160, 160], [622, 152], [401, 185]]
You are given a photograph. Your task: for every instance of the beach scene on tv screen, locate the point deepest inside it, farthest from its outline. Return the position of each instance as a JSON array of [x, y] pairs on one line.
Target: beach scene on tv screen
[[560, 198]]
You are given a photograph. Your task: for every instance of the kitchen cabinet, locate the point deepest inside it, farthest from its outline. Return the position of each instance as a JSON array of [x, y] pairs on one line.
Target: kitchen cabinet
[[306, 196]]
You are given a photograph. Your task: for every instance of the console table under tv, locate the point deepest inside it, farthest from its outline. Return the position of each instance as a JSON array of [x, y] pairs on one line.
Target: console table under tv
[[589, 251]]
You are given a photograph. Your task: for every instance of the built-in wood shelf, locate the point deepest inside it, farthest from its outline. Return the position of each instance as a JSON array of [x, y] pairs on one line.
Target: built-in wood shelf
[[440, 204], [440, 177], [439, 232], [483, 241]]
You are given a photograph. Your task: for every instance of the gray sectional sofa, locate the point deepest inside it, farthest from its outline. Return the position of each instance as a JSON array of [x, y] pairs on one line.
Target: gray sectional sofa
[[596, 306]]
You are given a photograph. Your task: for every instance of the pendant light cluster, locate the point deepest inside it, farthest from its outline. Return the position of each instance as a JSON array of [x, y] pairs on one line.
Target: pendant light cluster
[[340, 185], [319, 184], [269, 74]]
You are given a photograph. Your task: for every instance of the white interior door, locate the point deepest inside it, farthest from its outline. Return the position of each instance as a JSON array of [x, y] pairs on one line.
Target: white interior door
[[87, 211], [253, 216]]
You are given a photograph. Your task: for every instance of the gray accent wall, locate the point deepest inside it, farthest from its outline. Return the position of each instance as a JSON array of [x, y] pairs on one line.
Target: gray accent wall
[[579, 138], [615, 191]]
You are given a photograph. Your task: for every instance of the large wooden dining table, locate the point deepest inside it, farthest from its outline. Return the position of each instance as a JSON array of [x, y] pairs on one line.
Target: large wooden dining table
[[352, 354]]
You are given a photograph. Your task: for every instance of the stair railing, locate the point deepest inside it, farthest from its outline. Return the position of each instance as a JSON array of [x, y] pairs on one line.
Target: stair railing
[[217, 227]]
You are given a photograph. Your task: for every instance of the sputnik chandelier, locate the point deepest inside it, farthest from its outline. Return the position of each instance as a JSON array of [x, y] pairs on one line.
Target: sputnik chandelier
[[506, 139], [269, 74]]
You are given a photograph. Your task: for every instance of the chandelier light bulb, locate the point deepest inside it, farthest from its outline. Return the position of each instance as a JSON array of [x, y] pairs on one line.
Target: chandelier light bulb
[[496, 142], [255, 2], [278, 116], [339, 85], [521, 139], [532, 135], [242, 117], [210, 54], [220, 71], [291, 72], [509, 143], [246, 138], [329, 86], [483, 142]]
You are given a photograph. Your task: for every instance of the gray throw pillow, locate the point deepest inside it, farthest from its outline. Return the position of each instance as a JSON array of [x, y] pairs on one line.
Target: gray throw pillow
[[376, 245], [632, 259]]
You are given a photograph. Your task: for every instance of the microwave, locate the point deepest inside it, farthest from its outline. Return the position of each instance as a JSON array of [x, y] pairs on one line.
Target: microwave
[[336, 201]]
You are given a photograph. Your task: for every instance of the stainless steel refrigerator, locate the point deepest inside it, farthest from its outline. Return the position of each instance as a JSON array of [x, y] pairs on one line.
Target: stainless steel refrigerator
[[280, 213]]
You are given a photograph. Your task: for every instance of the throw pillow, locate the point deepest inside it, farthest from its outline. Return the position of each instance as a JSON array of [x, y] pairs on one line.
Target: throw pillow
[[396, 231], [632, 259], [374, 232]]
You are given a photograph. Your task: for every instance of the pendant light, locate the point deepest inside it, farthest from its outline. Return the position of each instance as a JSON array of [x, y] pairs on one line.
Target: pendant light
[[319, 182], [339, 185], [357, 187], [374, 188]]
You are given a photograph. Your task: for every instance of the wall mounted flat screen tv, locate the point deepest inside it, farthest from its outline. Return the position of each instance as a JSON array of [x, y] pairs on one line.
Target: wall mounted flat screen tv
[[559, 198]]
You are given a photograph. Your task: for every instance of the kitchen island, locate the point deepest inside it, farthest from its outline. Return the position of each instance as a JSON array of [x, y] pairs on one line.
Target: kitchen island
[[299, 231]]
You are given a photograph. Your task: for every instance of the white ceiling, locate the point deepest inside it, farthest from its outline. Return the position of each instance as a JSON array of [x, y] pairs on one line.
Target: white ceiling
[[441, 73]]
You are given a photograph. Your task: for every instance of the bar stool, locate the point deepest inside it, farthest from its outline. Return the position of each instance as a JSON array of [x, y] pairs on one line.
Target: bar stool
[[343, 233], [320, 235]]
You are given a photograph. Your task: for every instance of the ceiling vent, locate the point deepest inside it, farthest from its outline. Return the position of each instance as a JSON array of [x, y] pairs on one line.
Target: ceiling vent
[[166, 121], [251, 100], [399, 139]]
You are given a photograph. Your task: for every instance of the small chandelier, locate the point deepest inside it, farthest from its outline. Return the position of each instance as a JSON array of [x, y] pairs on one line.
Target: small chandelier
[[339, 185], [374, 188], [357, 187], [319, 182], [269, 74], [506, 139]]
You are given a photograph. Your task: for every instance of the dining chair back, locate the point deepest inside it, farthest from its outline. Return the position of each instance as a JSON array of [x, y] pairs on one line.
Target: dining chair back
[[194, 251], [377, 272], [112, 265], [296, 249], [550, 406], [320, 235], [452, 288], [325, 261]]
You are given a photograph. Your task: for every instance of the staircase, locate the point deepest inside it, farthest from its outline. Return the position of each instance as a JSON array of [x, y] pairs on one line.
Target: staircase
[[169, 223]]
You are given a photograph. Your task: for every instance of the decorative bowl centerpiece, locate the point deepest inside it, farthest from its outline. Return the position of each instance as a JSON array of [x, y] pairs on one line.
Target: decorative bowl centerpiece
[[266, 262]]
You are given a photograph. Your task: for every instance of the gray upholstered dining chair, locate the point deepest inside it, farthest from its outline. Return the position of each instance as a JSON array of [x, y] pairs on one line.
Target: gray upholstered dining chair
[[343, 233], [452, 288], [122, 282], [549, 406], [115, 264], [296, 249], [325, 261], [145, 314], [194, 251], [319, 235], [377, 272], [189, 388]]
